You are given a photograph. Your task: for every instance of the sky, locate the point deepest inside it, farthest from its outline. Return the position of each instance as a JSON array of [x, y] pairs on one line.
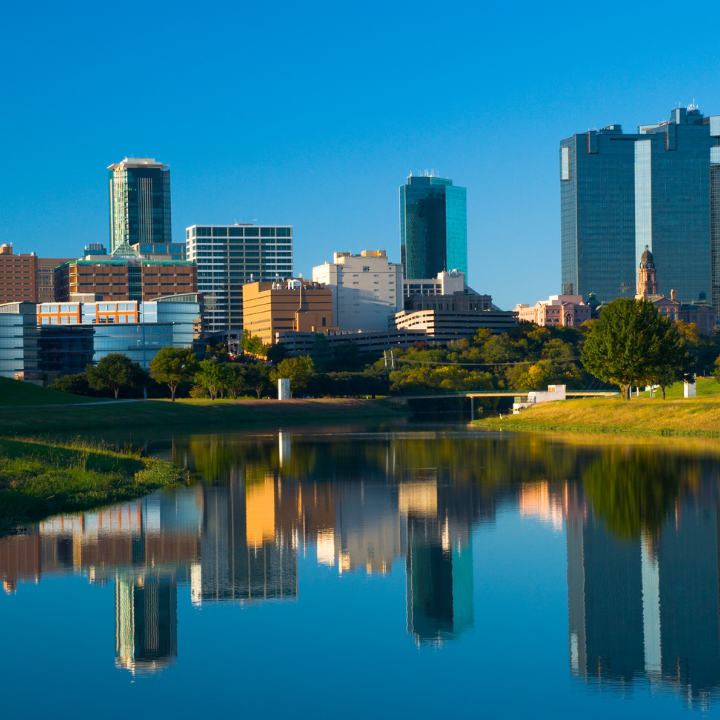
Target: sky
[[313, 114]]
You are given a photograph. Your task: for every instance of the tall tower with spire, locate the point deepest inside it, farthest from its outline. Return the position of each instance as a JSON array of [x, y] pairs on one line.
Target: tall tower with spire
[[647, 285]]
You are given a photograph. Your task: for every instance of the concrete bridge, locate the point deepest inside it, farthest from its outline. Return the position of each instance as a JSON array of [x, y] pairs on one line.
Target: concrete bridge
[[472, 394]]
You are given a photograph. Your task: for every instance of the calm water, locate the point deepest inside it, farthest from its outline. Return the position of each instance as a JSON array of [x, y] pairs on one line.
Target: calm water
[[413, 573]]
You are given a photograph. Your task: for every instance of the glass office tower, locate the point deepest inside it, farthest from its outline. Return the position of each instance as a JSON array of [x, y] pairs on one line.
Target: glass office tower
[[433, 227], [623, 192], [140, 205]]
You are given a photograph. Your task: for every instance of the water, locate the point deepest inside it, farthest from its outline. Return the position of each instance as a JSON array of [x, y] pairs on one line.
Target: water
[[407, 573]]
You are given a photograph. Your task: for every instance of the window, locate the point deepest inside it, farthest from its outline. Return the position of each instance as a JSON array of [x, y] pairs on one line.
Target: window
[[565, 163], [366, 268]]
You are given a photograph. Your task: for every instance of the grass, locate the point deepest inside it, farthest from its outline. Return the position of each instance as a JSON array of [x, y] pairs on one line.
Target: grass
[[19, 392], [697, 417], [193, 414], [705, 387], [39, 479]]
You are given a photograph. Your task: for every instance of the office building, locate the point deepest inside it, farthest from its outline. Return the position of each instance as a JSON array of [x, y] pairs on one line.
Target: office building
[[95, 249], [227, 257], [46, 277], [123, 278], [366, 289], [433, 227], [446, 283], [18, 341], [18, 276], [621, 193], [376, 341], [453, 317], [556, 311], [273, 307], [139, 203]]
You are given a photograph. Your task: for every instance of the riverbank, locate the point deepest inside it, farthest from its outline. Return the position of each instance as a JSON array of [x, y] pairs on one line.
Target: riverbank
[[679, 417], [193, 414], [39, 479]]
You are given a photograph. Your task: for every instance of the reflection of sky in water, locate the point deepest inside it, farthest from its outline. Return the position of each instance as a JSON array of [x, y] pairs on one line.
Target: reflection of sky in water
[[377, 575]]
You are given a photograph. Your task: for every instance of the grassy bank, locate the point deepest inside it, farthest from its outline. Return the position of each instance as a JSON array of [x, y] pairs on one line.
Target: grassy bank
[[18, 392], [39, 479], [698, 417], [192, 414]]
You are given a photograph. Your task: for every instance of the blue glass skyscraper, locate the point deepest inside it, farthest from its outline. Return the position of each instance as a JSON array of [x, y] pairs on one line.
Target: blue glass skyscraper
[[433, 227], [620, 193], [140, 206]]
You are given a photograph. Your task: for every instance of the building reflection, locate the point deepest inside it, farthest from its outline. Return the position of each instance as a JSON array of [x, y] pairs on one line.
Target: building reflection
[[648, 605], [642, 543]]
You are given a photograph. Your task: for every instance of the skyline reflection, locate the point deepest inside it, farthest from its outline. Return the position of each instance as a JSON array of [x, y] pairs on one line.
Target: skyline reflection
[[640, 523]]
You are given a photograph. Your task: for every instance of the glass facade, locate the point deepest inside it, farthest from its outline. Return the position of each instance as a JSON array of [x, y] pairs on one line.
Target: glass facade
[[433, 227], [18, 341], [227, 257], [623, 192], [139, 203]]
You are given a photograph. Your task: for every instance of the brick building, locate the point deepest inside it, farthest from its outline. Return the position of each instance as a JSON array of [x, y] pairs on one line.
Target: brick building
[[116, 278], [18, 276], [557, 310]]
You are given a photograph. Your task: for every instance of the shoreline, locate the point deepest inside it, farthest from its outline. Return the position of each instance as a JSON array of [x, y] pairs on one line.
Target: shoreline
[[195, 414], [641, 417]]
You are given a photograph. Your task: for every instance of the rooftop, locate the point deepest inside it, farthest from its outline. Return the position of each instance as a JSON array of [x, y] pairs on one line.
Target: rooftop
[[137, 163]]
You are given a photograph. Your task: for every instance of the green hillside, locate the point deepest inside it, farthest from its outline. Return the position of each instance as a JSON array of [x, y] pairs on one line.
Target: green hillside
[[21, 393]]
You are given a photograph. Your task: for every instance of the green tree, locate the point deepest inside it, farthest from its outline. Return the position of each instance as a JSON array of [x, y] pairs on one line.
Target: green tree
[[252, 344], [213, 376], [173, 366], [114, 372], [674, 362], [76, 384], [625, 345], [275, 353], [237, 383], [257, 377], [298, 370]]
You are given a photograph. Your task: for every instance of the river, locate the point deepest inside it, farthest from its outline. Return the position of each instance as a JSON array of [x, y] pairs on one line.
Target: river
[[409, 571]]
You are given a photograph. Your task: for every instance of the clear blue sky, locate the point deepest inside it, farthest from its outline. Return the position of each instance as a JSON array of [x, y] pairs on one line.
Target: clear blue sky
[[314, 113]]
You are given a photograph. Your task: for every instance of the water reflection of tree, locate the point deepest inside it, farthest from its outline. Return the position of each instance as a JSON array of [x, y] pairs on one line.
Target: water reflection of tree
[[634, 491]]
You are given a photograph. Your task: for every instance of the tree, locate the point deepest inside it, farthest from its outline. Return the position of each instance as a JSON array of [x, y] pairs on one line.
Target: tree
[[173, 366], [275, 353], [237, 382], [252, 344], [257, 377], [674, 362], [625, 345], [213, 376], [115, 372], [76, 384], [298, 370]]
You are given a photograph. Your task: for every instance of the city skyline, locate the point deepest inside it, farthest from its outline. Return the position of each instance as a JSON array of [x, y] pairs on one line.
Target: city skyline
[[329, 163]]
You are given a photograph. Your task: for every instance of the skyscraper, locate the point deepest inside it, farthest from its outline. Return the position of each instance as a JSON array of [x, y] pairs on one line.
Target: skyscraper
[[227, 257], [621, 193], [140, 205], [433, 227]]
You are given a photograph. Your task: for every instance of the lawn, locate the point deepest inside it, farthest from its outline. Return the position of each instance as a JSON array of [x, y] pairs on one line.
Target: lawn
[[696, 417], [39, 478], [21, 393]]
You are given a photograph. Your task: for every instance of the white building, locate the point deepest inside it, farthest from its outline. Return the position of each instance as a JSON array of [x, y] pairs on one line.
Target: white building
[[446, 283], [366, 289]]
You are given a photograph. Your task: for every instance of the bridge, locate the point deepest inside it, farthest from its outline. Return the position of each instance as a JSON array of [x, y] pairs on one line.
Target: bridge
[[472, 394]]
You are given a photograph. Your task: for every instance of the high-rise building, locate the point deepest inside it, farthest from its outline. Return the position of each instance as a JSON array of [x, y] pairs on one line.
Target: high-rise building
[[366, 289], [46, 277], [140, 204], [433, 227], [227, 257], [621, 193], [18, 276]]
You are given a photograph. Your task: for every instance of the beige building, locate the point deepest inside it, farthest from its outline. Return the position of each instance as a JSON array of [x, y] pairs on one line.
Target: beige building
[[366, 289], [556, 311], [273, 307], [446, 283]]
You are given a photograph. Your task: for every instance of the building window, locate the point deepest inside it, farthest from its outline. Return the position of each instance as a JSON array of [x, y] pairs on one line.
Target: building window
[[565, 163]]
